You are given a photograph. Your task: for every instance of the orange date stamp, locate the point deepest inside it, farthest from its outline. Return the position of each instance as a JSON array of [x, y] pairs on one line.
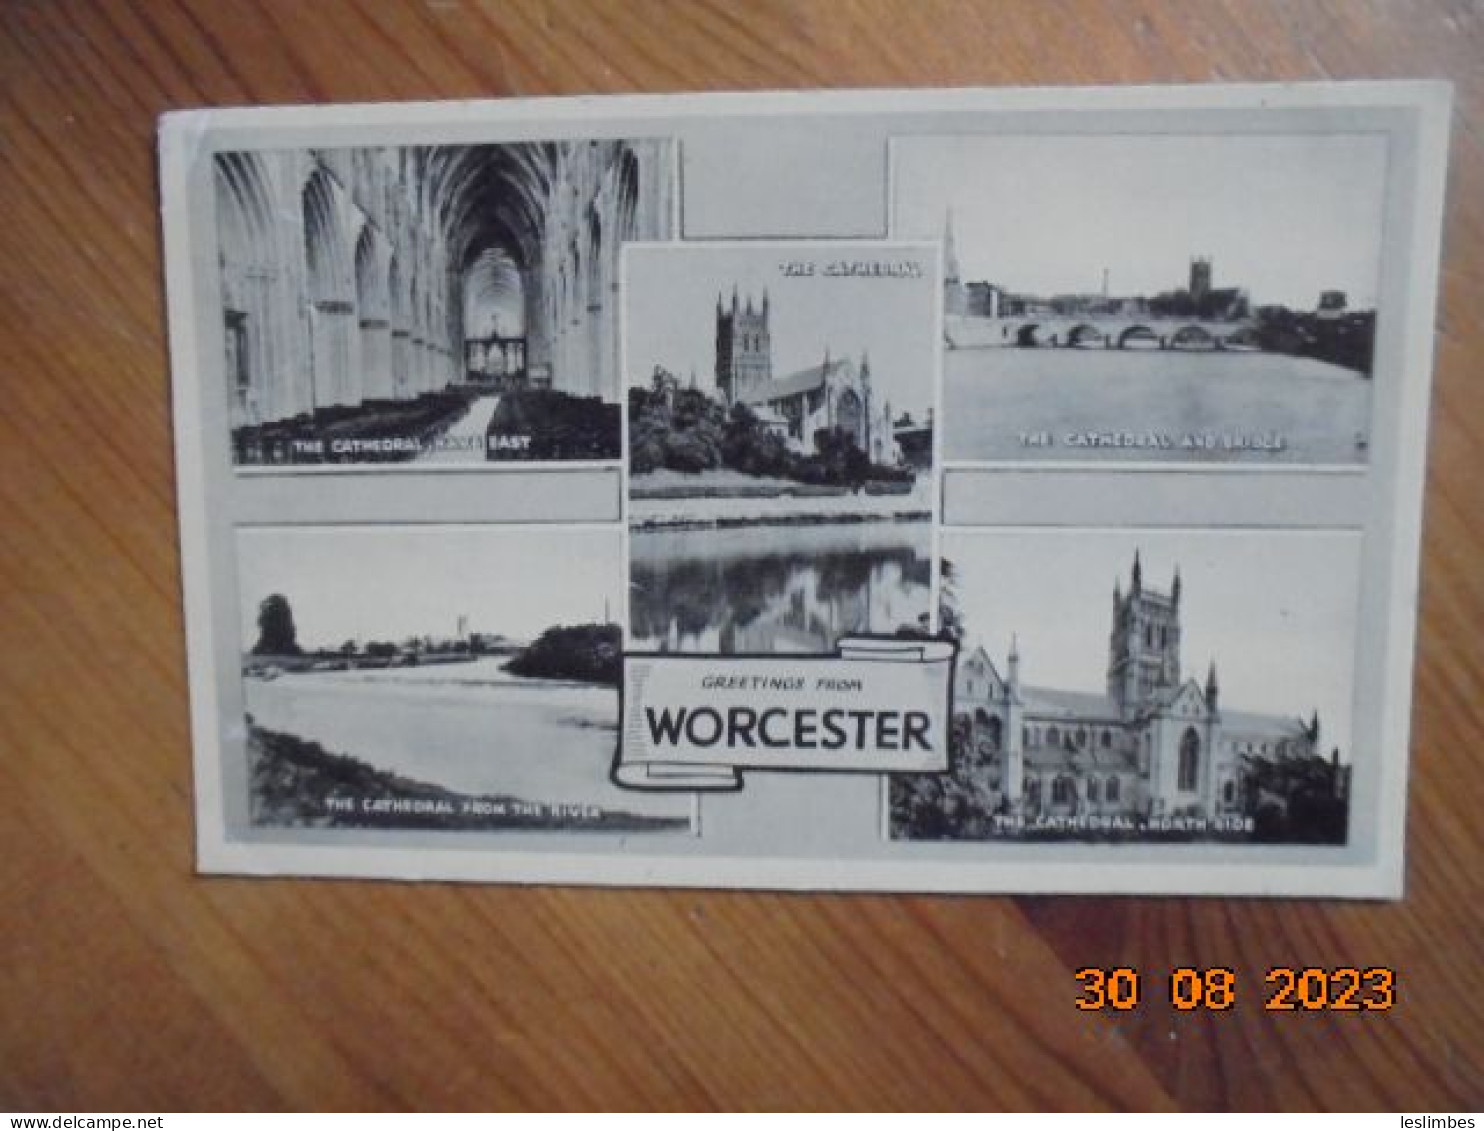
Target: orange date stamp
[[1285, 989]]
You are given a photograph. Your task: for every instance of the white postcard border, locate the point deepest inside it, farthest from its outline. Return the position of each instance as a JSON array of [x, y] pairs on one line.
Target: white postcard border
[[204, 498]]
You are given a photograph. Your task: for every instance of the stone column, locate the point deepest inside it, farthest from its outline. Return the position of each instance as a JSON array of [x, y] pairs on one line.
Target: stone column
[[376, 359], [332, 325]]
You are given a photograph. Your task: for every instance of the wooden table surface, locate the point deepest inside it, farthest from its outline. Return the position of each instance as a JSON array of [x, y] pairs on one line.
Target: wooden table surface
[[126, 983]]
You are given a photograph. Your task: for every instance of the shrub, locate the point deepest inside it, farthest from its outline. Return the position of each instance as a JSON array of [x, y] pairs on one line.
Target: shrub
[[592, 653], [690, 452]]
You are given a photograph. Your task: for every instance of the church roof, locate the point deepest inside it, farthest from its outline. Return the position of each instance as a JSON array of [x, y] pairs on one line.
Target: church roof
[[980, 657], [766, 414], [1068, 704], [1091, 758], [1164, 696], [804, 381], [1250, 724]]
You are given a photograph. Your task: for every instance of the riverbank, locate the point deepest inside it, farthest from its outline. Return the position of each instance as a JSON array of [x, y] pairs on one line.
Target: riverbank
[[298, 783], [474, 729], [728, 498]]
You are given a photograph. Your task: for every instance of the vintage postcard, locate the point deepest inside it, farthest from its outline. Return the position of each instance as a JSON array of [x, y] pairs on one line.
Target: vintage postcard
[[978, 491]]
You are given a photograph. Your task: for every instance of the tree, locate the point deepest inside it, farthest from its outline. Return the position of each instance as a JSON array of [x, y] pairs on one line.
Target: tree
[[276, 633], [840, 456], [592, 653], [950, 612]]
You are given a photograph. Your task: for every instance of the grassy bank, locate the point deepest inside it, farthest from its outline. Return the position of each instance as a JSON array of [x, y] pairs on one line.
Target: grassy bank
[[295, 783], [721, 498], [724, 483]]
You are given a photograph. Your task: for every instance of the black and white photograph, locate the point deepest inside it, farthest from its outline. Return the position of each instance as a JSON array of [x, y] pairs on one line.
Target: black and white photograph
[[782, 410], [1137, 686], [454, 678], [1153, 297], [430, 305]]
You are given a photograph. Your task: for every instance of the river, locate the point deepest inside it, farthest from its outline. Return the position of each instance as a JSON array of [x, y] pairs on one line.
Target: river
[[788, 588], [469, 727], [1251, 407]]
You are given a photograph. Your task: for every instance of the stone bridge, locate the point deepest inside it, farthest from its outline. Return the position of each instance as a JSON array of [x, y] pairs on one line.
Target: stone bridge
[[1100, 331]]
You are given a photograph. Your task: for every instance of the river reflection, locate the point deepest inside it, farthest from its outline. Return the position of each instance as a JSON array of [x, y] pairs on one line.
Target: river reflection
[[776, 588]]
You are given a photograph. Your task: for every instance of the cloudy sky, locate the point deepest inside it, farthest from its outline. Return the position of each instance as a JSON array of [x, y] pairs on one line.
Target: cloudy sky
[[1275, 610], [1283, 216], [389, 583], [671, 313]]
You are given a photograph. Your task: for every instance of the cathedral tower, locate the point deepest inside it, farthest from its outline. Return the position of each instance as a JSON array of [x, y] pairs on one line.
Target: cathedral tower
[[1200, 278], [955, 294], [744, 348], [1144, 644]]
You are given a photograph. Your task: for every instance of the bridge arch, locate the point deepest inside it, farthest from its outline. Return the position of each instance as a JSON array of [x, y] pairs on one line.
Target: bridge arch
[[1244, 337], [1138, 335], [1083, 334], [1027, 335], [1193, 337]]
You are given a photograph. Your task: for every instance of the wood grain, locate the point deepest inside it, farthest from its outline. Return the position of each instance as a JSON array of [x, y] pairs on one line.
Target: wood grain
[[126, 983]]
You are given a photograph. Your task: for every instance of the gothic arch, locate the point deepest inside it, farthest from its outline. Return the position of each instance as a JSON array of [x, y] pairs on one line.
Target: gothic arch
[[416, 339], [594, 258], [850, 416], [330, 290], [373, 306], [1189, 776], [628, 196], [996, 732], [596, 312], [1063, 790], [399, 292], [252, 321], [345, 273], [495, 306]]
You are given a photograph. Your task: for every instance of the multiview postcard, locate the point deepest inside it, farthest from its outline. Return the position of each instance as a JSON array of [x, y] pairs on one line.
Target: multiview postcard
[[966, 490]]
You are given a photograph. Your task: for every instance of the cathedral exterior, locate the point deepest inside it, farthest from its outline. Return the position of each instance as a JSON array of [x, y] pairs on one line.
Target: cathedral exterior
[[834, 394], [1154, 745]]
